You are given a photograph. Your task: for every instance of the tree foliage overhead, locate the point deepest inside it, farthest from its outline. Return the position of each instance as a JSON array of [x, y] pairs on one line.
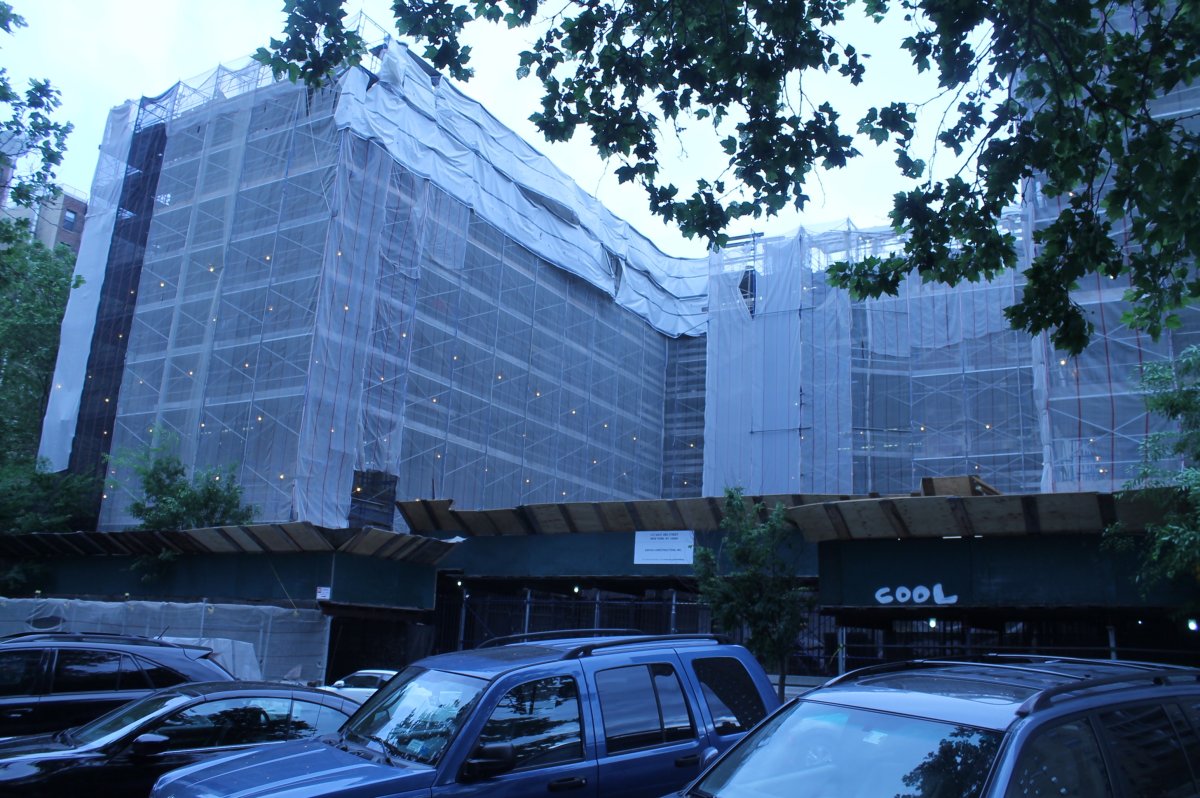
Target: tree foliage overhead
[[1170, 548], [1050, 97], [32, 143], [751, 582]]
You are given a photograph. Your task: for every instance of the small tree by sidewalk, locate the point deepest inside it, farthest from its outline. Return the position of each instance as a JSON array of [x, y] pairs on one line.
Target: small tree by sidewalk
[[750, 583], [172, 500]]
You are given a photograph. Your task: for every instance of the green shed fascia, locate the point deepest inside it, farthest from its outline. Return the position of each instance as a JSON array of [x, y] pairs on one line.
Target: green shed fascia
[[1028, 571], [594, 555], [300, 578]]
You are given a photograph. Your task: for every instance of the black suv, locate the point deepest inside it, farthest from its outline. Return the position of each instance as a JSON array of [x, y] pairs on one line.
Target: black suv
[[52, 681], [1001, 727]]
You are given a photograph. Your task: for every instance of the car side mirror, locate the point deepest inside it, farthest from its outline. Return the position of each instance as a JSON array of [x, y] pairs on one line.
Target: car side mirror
[[149, 744], [339, 683], [489, 759]]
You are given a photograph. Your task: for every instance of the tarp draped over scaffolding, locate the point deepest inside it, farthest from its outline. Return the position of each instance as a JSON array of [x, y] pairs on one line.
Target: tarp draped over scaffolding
[[778, 417], [439, 133]]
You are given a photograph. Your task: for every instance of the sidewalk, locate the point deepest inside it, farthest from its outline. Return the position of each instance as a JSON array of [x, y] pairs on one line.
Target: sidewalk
[[796, 685]]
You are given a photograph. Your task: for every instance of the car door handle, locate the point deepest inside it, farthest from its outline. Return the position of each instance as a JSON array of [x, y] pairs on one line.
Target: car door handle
[[573, 783], [689, 761], [17, 713]]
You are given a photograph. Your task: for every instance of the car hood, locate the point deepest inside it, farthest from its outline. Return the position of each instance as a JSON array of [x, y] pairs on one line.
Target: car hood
[[13, 747], [294, 770]]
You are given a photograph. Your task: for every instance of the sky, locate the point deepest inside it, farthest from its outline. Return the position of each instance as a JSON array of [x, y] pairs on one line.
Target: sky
[[100, 53]]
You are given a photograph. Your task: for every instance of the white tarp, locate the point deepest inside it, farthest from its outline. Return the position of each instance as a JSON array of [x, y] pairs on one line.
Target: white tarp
[[436, 131], [70, 372]]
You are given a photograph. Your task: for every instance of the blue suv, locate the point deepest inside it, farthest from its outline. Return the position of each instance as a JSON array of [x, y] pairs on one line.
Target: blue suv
[[627, 716]]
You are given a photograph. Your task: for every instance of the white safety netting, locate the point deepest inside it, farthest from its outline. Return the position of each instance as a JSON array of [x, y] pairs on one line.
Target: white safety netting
[[929, 383], [251, 641], [377, 289], [376, 286]]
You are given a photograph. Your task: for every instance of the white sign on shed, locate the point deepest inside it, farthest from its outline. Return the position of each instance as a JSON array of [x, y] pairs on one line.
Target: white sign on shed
[[664, 547]]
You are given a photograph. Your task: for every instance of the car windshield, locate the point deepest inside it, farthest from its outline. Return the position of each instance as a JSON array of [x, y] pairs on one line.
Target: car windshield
[[116, 722], [362, 680], [815, 750], [417, 714]]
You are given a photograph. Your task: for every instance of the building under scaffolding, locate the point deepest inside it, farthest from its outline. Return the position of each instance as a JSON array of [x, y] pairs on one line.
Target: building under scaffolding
[[375, 292]]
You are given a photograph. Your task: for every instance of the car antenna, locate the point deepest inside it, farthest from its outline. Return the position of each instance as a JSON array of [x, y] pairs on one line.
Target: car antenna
[[159, 636]]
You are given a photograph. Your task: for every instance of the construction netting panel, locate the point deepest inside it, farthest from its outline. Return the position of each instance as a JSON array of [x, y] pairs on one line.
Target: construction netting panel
[[929, 383], [1095, 418], [315, 312], [217, 362], [943, 387], [83, 303], [777, 407], [287, 643], [491, 376]]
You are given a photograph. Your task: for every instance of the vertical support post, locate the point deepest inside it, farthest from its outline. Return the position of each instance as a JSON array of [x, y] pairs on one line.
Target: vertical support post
[[841, 652], [528, 603], [1112, 642], [596, 608], [462, 621], [674, 604]]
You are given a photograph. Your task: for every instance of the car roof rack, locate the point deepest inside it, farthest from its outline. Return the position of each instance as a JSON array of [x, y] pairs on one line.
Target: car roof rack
[[1162, 677], [588, 649], [556, 634], [108, 637]]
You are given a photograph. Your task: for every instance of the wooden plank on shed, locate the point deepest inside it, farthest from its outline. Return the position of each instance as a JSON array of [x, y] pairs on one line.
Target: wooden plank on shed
[[367, 541], [931, 516], [306, 536], [1066, 513], [272, 537], [585, 517], [654, 515], [699, 514], [212, 540], [242, 538], [996, 515], [507, 522], [865, 519], [547, 519], [813, 521], [616, 517]]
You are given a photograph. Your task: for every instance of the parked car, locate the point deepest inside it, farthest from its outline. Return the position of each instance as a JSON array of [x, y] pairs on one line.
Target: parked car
[[124, 752], [51, 681], [1002, 727], [518, 719], [361, 685]]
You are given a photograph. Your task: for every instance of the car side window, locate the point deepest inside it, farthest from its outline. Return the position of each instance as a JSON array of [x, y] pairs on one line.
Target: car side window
[[733, 701], [89, 671], [1062, 760], [313, 720], [542, 721], [226, 722], [19, 671], [642, 706], [160, 675], [1149, 753]]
